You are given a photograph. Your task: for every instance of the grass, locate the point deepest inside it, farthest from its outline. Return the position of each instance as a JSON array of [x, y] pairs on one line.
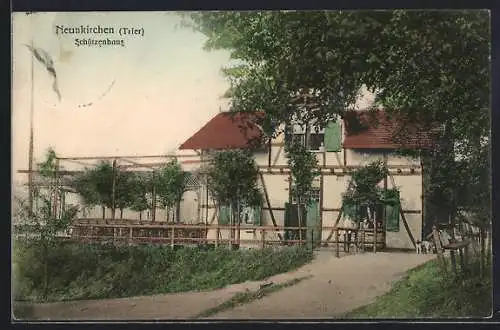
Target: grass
[[427, 292], [248, 296], [78, 271]]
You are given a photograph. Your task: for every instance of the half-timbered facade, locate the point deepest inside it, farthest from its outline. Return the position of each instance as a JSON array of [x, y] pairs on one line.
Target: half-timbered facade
[[341, 147]]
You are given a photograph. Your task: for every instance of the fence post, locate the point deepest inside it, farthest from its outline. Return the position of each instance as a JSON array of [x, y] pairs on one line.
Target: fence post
[[217, 233], [172, 237], [337, 252], [131, 231], [263, 238]]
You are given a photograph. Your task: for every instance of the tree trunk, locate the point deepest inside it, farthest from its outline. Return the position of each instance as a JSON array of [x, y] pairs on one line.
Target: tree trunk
[[103, 212], [140, 215], [121, 213]]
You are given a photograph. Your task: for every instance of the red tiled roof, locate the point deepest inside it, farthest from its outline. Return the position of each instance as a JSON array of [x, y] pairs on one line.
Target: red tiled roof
[[230, 130], [377, 131], [227, 130]]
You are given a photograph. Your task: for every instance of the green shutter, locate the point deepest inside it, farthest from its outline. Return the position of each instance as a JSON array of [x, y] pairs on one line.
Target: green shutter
[[333, 136], [313, 223], [224, 215], [392, 216], [257, 215]]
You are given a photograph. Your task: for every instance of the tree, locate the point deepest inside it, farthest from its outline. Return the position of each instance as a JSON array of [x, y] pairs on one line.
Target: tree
[[303, 167], [364, 194], [425, 66], [40, 229], [232, 180], [95, 186], [171, 185], [142, 186]]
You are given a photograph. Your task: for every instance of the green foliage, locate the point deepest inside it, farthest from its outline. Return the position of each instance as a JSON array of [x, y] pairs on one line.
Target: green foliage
[[303, 167], [38, 230], [427, 292], [170, 184], [142, 186], [364, 193], [48, 166], [232, 178], [95, 185], [107, 271], [426, 66]]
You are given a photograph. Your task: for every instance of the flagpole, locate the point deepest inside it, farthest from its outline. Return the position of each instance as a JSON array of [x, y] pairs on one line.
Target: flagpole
[[32, 110]]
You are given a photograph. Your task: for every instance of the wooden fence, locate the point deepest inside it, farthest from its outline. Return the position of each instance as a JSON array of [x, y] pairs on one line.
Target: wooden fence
[[121, 232]]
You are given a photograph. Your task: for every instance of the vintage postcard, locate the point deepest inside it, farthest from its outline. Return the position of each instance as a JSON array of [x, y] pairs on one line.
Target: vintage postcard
[[261, 165]]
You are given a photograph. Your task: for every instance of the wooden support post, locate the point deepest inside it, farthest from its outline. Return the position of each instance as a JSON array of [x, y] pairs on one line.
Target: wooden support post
[[335, 225], [337, 239], [206, 197], [439, 248], [453, 261], [55, 189], [263, 238], [269, 146], [462, 261], [406, 226], [321, 198], [153, 211], [113, 192], [131, 233], [217, 232], [172, 237], [268, 202], [374, 235]]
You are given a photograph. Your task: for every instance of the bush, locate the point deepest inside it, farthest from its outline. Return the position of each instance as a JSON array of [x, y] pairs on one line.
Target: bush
[[79, 271]]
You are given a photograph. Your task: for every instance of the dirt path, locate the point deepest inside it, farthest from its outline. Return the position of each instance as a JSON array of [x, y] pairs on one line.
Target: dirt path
[[336, 286]]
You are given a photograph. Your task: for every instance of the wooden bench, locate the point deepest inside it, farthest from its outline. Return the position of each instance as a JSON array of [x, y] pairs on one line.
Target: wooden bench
[[453, 246]]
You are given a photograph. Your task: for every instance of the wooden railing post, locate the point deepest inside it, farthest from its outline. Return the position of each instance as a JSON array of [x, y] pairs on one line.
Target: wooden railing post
[[263, 237], [337, 252], [172, 237], [217, 233]]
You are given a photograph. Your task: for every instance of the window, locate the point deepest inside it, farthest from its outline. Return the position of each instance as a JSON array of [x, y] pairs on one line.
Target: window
[[316, 141], [328, 139], [315, 195]]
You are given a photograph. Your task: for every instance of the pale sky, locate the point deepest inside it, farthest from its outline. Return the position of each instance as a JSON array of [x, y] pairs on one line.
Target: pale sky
[[166, 86]]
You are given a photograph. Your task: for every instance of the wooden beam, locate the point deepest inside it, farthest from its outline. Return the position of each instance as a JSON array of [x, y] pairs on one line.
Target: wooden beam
[[276, 158], [335, 225], [113, 192], [266, 195], [130, 157], [340, 167], [321, 188], [407, 227]]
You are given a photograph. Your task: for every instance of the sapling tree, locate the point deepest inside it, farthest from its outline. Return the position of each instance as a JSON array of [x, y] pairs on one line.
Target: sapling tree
[[171, 185], [40, 229], [303, 167], [232, 180], [95, 186], [142, 186]]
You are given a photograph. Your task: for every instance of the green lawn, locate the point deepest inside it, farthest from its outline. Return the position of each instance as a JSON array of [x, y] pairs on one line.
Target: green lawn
[[426, 292]]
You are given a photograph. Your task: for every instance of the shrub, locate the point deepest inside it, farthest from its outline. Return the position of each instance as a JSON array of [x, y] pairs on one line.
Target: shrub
[[80, 271]]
